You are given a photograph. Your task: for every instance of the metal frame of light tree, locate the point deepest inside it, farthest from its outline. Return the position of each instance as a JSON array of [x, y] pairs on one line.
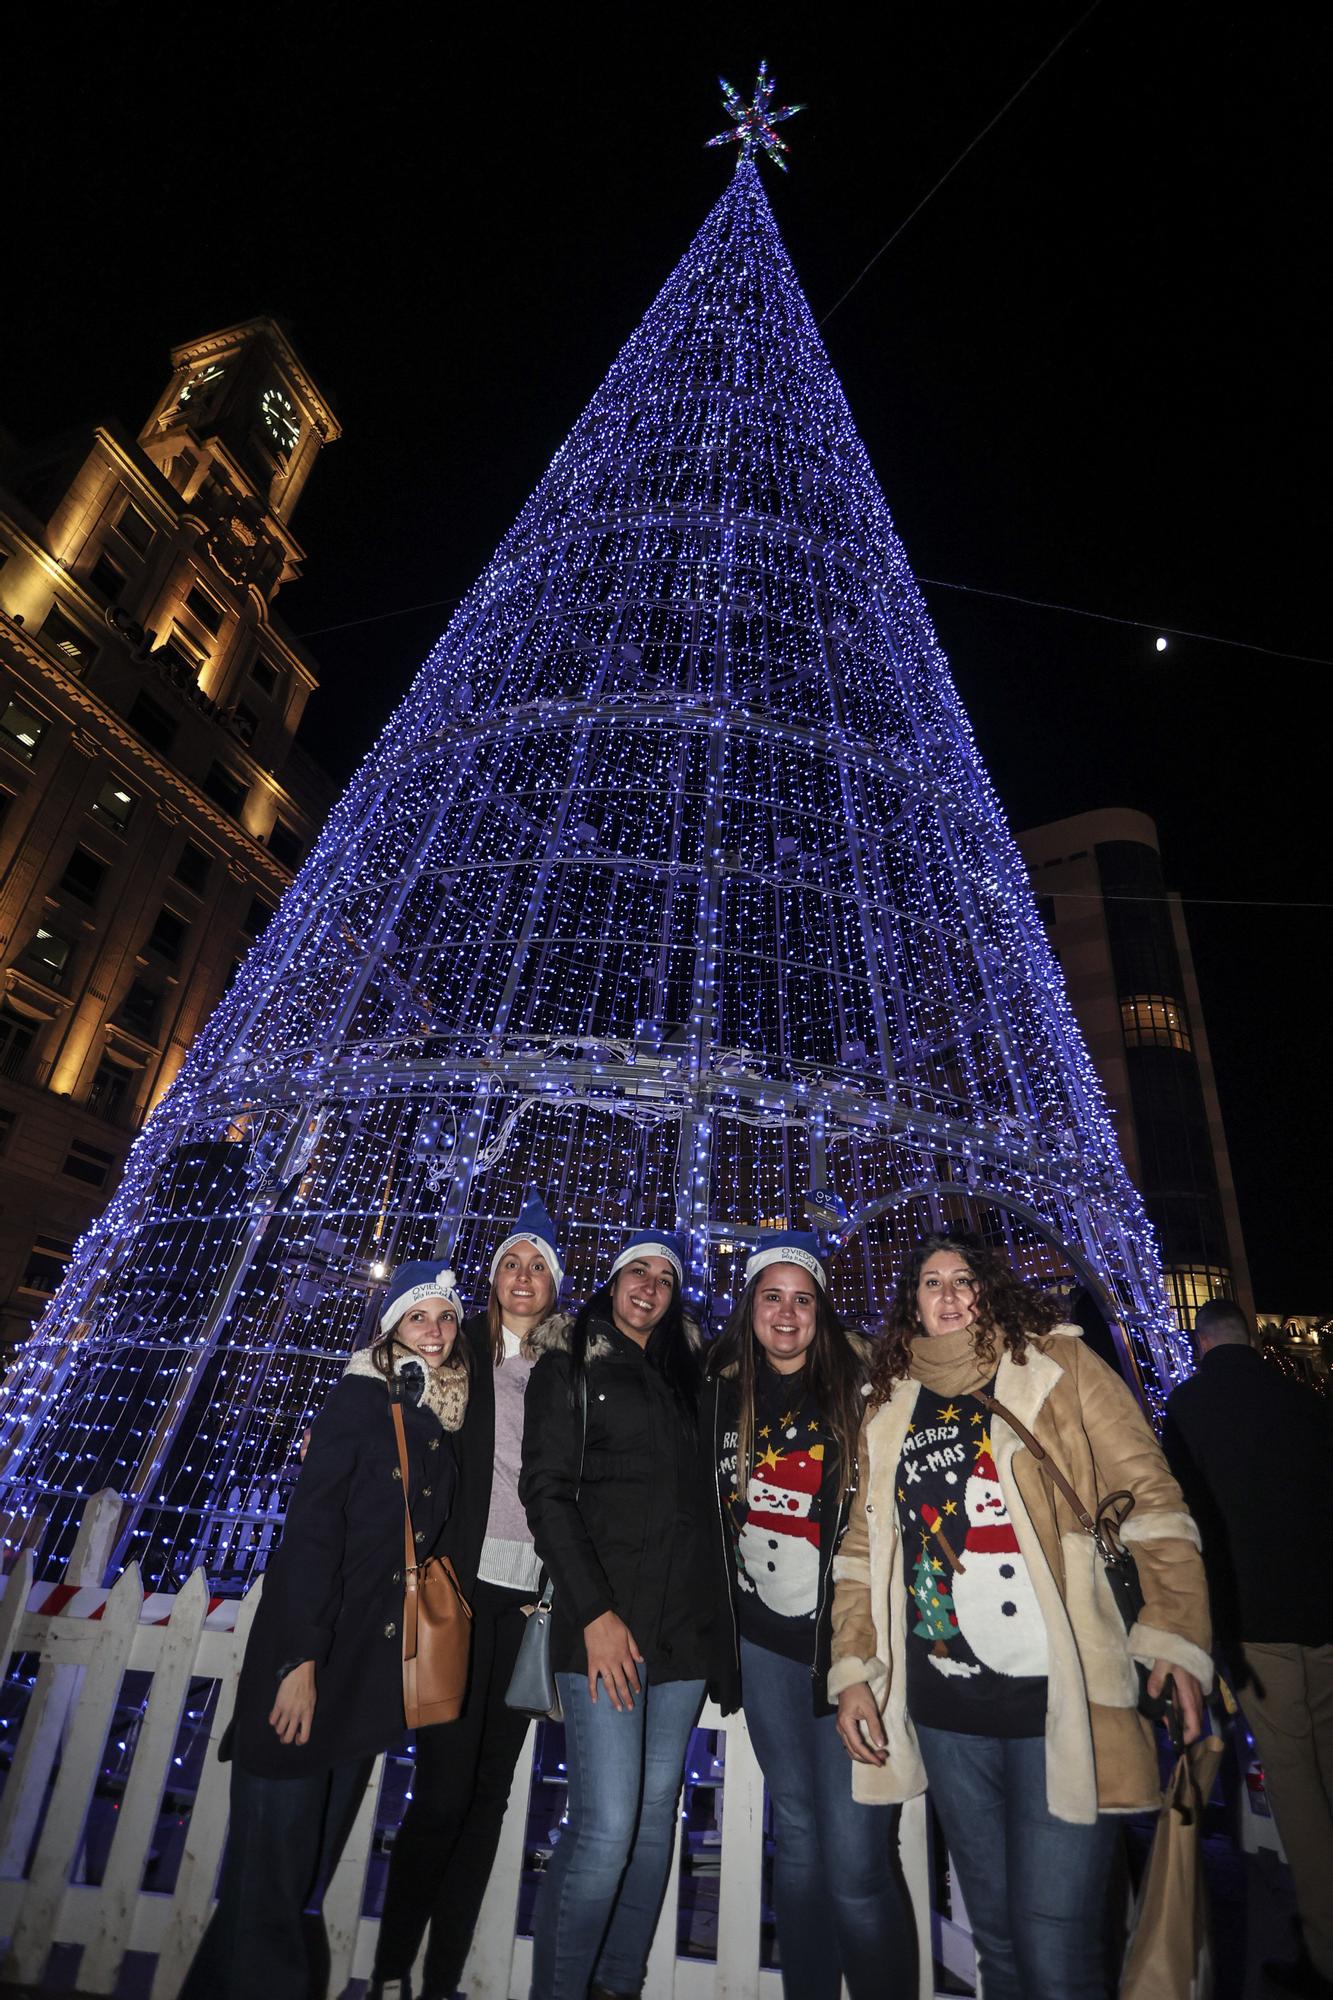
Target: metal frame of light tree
[[675, 885]]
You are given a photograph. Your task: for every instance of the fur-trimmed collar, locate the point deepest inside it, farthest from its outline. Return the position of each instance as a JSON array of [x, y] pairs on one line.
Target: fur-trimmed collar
[[442, 1391], [548, 1333], [553, 1337]]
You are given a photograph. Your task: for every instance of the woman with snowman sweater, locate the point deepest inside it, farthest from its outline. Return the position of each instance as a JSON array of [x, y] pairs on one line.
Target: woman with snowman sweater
[[976, 1645], [781, 1409]]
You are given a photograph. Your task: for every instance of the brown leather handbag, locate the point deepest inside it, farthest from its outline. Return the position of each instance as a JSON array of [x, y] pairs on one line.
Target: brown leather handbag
[[437, 1623]]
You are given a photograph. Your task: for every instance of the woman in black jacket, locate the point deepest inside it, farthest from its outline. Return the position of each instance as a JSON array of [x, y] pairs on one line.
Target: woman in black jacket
[[782, 1407], [611, 1489], [321, 1687], [445, 1848]]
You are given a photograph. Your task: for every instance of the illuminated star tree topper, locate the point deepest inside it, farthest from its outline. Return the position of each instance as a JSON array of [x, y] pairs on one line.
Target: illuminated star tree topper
[[752, 124]]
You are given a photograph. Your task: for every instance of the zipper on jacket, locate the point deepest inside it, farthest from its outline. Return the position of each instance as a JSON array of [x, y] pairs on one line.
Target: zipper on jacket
[[840, 1529], [727, 1555]]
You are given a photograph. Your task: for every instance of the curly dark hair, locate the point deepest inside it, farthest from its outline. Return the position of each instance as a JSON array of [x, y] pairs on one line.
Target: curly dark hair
[[1008, 1311]]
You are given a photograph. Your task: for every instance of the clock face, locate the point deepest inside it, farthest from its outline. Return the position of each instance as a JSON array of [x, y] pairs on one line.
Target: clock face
[[201, 385], [282, 426]]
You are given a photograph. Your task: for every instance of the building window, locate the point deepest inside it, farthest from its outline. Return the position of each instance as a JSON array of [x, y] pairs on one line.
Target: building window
[[1153, 1021], [135, 528], [84, 875], [63, 636], [21, 731], [168, 935], [201, 605], [6, 1127], [285, 844], [245, 722], [1191, 1286], [264, 675], [16, 1038], [106, 578], [114, 804], [88, 1163], [256, 916], [48, 956], [46, 1265], [179, 657], [111, 1088], [153, 722], [138, 1010], [193, 868], [226, 789]]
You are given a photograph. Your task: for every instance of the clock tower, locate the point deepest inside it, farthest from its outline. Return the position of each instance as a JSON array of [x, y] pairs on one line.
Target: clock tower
[[241, 407]]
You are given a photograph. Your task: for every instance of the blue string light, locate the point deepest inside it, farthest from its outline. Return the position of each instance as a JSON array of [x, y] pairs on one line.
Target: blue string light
[[675, 885]]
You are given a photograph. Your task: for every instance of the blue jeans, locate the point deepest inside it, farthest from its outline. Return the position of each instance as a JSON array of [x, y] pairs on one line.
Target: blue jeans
[[833, 1858], [1035, 1886], [598, 1904]]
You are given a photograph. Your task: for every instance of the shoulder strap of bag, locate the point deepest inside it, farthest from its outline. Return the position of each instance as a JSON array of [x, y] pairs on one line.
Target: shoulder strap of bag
[[1040, 1453], [409, 1540]]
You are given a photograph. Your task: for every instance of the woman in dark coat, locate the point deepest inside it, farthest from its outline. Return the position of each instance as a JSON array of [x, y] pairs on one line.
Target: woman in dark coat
[[445, 1848], [321, 1687], [611, 1487], [781, 1410]]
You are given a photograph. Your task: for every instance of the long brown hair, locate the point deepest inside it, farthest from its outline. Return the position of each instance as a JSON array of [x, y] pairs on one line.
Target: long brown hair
[[834, 1372], [495, 1324], [1007, 1310]]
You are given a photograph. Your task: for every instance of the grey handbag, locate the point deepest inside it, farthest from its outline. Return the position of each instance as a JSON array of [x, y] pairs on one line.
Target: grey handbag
[[532, 1689], [532, 1685]]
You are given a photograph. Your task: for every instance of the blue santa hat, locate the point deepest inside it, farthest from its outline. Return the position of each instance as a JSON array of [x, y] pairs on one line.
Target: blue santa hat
[[534, 1226], [788, 1246], [651, 1243], [410, 1284]]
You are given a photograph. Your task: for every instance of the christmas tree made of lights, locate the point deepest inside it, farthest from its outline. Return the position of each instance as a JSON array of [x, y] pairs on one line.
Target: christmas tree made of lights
[[675, 885]]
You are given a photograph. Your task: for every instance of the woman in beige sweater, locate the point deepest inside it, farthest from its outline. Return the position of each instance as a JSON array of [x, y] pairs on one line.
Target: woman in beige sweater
[[976, 1645]]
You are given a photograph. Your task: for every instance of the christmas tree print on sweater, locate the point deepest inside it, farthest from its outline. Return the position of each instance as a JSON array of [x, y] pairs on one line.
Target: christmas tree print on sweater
[[976, 1643], [938, 1621]]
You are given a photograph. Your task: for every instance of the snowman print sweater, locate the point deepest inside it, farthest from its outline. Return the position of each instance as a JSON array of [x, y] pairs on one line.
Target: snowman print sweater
[[976, 1643], [776, 1524]]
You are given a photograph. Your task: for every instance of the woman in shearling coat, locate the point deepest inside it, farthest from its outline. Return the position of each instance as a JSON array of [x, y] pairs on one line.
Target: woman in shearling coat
[[976, 1646]]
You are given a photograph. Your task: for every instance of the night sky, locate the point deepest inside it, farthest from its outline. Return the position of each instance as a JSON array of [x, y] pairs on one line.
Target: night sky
[[1091, 371]]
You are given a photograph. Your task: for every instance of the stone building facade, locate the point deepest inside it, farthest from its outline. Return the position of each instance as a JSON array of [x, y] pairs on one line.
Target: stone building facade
[[153, 805]]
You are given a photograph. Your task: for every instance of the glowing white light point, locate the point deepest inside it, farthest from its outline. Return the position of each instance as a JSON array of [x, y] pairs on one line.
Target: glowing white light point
[[1160, 643]]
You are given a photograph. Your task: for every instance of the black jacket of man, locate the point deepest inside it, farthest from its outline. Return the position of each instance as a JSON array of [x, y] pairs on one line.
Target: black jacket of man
[[1254, 1456]]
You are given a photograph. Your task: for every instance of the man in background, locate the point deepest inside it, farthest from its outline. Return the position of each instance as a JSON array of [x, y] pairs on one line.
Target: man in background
[[1254, 1455]]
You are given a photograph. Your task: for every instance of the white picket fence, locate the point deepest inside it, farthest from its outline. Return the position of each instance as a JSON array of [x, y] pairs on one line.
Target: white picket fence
[[83, 1661]]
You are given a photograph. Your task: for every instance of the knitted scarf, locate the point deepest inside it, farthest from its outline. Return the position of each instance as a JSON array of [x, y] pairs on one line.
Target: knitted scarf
[[442, 1391], [948, 1364]]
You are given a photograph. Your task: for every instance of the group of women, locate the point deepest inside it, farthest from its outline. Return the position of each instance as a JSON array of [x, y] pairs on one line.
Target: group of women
[[874, 1547]]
